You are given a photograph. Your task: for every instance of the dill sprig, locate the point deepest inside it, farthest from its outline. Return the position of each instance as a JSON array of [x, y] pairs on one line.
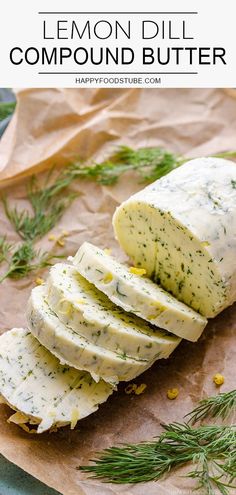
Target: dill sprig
[[219, 406], [150, 163], [47, 204], [26, 259], [211, 450], [226, 154], [49, 201], [5, 247]]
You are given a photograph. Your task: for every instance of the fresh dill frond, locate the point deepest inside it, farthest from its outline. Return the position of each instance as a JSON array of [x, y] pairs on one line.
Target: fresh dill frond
[[149, 163], [219, 406], [211, 450], [48, 202], [48, 206], [226, 154], [26, 259], [5, 247]]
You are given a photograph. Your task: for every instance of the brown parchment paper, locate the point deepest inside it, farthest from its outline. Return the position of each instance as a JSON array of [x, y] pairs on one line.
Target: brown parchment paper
[[52, 127]]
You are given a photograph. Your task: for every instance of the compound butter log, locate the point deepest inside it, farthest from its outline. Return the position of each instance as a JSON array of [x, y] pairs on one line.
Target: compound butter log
[[182, 230]]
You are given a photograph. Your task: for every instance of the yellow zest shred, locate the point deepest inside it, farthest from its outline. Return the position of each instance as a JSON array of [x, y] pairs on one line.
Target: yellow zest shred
[[172, 393], [159, 309], [51, 237], [140, 389], [74, 418], [107, 251], [205, 243], [158, 305], [107, 278], [218, 379], [60, 242], [52, 413], [39, 281], [65, 233], [130, 389], [81, 301], [137, 271], [133, 388]]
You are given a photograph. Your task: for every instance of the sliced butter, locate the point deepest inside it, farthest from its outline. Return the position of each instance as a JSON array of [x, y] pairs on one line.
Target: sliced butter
[[72, 349], [89, 313], [42, 391], [135, 293]]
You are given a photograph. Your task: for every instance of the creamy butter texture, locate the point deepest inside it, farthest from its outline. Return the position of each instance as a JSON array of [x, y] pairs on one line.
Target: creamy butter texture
[[46, 393], [90, 314], [135, 293], [97, 322], [182, 230], [75, 350]]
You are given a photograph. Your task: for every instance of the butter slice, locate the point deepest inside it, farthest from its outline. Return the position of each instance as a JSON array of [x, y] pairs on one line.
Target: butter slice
[[73, 349], [92, 315], [42, 391], [137, 294]]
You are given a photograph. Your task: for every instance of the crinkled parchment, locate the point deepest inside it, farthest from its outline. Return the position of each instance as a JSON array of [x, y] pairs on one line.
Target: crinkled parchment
[[53, 127]]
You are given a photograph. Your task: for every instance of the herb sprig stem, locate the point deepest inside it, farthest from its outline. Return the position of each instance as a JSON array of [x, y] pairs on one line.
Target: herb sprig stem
[[219, 406], [48, 201], [211, 449], [25, 259]]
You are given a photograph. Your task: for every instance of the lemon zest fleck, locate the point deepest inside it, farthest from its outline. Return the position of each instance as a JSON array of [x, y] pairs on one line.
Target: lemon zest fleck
[[60, 242], [218, 379], [159, 309], [130, 389], [140, 389], [74, 418], [107, 278], [39, 281], [108, 251], [52, 413], [138, 271], [158, 305], [81, 301], [152, 317], [172, 393], [51, 237]]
